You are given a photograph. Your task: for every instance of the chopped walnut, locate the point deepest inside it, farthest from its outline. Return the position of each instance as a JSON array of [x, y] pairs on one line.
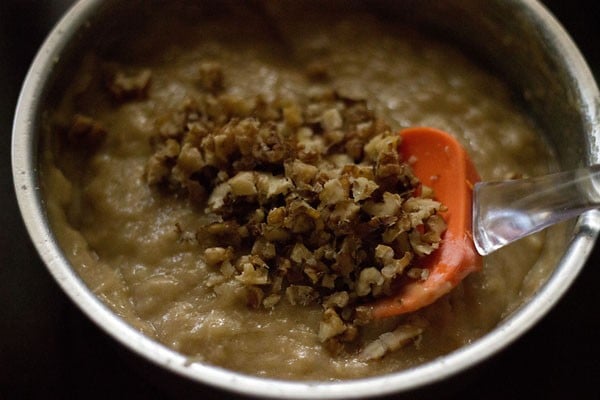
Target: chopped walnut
[[85, 131], [217, 255], [292, 115], [331, 120], [309, 197], [368, 278], [242, 184], [160, 165], [264, 249], [331, 325], [300, 173], [395, 266], [381, 144], [333, 192], [363, 188], [300, 294], [344, 212], [420, 209], [128, 86], [269, 186], [253, 272], [338, 299], [390, 342], [418, 273], [300, 253], [217, 197], [392, 202]]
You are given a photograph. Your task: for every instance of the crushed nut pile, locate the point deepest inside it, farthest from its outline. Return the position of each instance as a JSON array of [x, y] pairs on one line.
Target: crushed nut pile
[[309, 198]]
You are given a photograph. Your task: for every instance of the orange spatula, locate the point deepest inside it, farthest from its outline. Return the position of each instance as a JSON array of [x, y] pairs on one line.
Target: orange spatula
[[441, 163]]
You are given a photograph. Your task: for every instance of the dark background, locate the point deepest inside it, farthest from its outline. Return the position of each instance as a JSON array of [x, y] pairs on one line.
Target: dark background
[[49, 349]]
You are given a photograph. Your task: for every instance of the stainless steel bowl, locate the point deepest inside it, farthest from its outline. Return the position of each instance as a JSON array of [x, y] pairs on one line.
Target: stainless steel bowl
[[518, 39]]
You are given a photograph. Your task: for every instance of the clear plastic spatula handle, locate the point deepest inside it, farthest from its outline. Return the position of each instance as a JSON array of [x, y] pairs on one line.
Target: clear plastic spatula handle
[[510, 210]]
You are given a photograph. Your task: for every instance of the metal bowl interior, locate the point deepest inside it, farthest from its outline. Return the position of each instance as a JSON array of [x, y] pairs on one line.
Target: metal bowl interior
[[519, 40]]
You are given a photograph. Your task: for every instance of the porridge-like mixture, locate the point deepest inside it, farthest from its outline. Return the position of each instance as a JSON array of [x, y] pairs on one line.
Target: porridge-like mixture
[[234, 190]]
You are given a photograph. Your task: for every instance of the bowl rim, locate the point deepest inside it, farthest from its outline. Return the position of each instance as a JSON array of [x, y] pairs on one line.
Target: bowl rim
[[28, 193]]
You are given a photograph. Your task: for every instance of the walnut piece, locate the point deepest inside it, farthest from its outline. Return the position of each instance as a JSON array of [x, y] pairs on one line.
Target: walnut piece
[[128, 85], [389, 342]]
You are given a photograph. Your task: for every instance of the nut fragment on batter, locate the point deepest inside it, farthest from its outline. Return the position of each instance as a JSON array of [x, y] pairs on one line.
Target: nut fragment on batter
[[127, 85], [390, 341], [85, 131]]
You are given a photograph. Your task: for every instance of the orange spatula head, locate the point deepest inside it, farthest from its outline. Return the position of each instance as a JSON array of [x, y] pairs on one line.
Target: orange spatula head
[[440, 162]]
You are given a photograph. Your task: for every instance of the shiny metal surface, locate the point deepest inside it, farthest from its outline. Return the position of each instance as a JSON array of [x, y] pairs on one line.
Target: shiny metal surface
[[507, 211], [562, 70]]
